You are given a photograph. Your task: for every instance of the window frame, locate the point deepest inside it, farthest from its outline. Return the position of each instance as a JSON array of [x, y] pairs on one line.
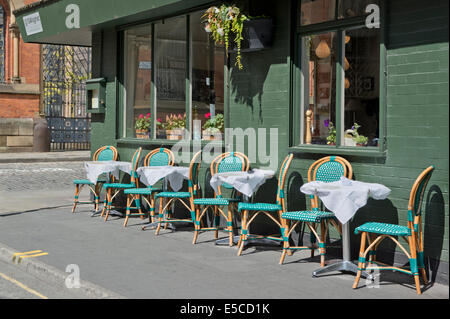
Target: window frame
[[297, 105], [121, 128]]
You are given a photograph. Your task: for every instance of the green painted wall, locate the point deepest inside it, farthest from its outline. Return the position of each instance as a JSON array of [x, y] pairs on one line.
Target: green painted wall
[[416, 120]]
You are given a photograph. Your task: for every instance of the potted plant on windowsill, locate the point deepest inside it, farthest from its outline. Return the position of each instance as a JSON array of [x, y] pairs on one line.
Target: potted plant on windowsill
[[213, 127], [142, 126], [353, 138], [331, 138], [175, 126]]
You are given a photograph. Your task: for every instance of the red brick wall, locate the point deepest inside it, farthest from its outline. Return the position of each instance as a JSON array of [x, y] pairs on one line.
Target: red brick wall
[[18, 105]]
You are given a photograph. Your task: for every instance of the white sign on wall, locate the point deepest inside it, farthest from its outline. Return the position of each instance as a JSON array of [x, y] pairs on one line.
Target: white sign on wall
[[32, 23]]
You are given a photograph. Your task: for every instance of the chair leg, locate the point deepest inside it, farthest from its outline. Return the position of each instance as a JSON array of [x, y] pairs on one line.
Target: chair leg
[[104, 203], [243, 232], [77, 192], [196, 225], [413, 263], [216, 222], [230, 225], [129, 201], [285, 245], [160, 214], [322, 243], [313, 240], [109, 203], [361, 262]]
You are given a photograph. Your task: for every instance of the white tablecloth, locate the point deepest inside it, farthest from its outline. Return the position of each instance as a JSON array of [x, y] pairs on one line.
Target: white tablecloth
[[95, 168], [245, 182], [345, 196], [150, 175]]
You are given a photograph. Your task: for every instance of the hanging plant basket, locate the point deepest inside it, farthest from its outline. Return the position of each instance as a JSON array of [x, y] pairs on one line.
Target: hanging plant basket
[[257, 35]]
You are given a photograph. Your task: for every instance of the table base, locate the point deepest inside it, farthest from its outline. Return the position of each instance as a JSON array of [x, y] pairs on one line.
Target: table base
[[341, 266], [257, 241]]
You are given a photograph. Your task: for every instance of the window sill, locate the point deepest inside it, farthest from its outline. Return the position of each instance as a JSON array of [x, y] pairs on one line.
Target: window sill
[[160, 142], [339, 150]]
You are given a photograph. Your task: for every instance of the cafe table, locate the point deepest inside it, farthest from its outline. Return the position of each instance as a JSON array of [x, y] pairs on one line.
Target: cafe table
[[247, 183], [96, 168], [344, 198], [174, 175]]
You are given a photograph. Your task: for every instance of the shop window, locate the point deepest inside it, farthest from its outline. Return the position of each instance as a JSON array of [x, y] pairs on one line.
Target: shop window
[[180, 87], [137, 71], [340, 78], [207, 79], [170, 77], [319, 85]]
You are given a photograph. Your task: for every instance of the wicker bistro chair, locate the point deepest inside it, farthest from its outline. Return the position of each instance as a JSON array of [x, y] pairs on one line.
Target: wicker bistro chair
[[117, 187], [105, 153], [328, 169], [171, 197], [375, 233], [226, 162], [254, 209], [157, 157]]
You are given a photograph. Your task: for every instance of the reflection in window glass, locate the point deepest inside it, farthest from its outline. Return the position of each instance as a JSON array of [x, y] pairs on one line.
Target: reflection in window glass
[[207, 78], [319, 80], [316, 11], [138, 63], [170, 78], [362, 90]]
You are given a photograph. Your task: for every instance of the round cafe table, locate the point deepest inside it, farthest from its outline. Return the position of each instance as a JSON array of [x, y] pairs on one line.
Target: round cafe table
[[247, 183], [344, 198]]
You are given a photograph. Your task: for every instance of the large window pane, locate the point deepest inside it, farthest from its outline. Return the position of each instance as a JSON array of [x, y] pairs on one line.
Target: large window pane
[[362, 90], [138, 63], [170, 77], [319, 53], [207, 84]]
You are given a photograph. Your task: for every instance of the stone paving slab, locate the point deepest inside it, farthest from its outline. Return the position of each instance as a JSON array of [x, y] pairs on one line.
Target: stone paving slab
[[138, 264]]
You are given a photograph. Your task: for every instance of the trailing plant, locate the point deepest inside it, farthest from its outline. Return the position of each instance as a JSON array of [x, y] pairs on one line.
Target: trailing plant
[[220, 21]]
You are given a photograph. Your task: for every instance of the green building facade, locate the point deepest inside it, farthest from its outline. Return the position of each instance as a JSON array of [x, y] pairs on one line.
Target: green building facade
[[330, 57]]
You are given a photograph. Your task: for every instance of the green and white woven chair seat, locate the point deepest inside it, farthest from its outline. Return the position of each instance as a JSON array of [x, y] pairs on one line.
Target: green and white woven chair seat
[[119, 185], [174, 194], [142, 191], [313, 216], [384, 229], [259, 206], [83, 182], [212, 201]]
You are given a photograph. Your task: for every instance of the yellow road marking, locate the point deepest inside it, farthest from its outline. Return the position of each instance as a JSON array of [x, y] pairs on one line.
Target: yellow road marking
[[25, 253], [28, 254], [21, 285]]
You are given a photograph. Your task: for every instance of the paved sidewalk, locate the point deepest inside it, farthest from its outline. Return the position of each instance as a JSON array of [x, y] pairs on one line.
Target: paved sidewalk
[[60, 156], [137, 264]]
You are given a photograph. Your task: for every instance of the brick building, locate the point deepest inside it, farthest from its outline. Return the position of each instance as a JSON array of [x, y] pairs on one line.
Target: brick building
[[19, 82]]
